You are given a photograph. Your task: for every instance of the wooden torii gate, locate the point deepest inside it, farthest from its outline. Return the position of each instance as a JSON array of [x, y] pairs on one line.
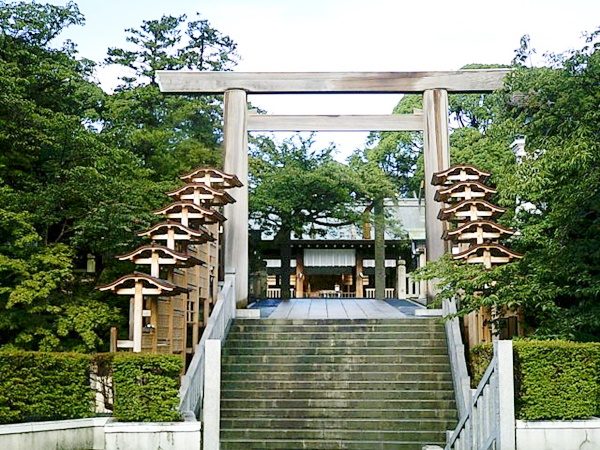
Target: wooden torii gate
[[238, 121]]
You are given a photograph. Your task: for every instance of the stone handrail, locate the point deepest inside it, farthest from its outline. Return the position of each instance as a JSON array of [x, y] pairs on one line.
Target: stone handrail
[[489, 421], [192, 383], [458, 363]]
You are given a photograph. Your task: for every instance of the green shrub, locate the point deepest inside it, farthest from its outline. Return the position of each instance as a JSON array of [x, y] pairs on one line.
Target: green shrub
[[553, 379], [146, 387], [480, 358], [556, 379], [44, 386]]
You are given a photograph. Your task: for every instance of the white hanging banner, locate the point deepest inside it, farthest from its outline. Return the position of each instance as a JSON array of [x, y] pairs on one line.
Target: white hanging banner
[[316, 257]]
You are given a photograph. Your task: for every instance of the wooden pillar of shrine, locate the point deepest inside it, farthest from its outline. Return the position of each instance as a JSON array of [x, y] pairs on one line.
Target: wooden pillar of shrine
[[360, 288], [236, 161], [299, 287]]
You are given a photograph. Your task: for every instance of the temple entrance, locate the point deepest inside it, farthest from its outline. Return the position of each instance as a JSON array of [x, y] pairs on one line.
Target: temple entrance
[[330, 286]]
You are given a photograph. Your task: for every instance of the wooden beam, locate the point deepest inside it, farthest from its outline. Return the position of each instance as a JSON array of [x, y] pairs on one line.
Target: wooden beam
[[186, 82], [390, 122]]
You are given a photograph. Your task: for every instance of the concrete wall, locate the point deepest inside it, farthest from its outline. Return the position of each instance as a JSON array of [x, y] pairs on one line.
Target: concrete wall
[[73, 434], [164, 436], [558, 435], [100, 434]]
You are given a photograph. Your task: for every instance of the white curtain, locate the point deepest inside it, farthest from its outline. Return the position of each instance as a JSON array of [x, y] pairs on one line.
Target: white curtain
[[316, 257]]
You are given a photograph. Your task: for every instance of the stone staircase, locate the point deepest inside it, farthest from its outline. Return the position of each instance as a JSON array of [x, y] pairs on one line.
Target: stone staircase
[[332, 384]]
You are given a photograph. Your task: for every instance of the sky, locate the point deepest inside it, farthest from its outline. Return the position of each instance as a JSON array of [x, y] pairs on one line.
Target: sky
[[350, 35]]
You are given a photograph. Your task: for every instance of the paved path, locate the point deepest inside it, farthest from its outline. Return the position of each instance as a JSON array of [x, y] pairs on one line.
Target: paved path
[[335, 308]]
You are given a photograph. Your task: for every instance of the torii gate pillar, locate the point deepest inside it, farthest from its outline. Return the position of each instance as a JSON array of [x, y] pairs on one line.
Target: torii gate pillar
[[436, 149], [236, 162]]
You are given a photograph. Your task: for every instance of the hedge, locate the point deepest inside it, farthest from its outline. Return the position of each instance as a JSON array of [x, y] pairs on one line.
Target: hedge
[[553, 379], [38, 386], [146, 387]]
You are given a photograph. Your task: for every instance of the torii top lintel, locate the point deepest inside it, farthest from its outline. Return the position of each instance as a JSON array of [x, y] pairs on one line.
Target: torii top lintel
[[474, 80]]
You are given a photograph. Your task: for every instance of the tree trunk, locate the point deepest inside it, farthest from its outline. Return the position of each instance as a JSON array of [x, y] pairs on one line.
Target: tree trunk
[[379, 222], [285, 255]]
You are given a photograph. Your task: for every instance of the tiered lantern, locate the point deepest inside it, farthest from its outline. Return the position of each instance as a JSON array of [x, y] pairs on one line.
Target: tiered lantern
[[475, 236], [167, 304]]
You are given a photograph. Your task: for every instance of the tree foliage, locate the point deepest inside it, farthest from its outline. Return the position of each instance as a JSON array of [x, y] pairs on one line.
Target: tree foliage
[[81, 170], [171, 134], [297, 189], [553, 194]]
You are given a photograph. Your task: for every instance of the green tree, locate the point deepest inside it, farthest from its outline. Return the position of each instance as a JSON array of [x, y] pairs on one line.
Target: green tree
[[171, 134], [374, 187], [552, 193], [79, 193], [388, 168], [297, 189], [39, 303]]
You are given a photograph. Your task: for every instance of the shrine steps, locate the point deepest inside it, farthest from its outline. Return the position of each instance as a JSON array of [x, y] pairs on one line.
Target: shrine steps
[[336, 383]]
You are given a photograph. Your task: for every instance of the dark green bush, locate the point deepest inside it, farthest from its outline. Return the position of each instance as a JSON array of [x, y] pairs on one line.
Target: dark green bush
[[480, 358], [556, 379], [553, 379], [146, 387], [44, 386]]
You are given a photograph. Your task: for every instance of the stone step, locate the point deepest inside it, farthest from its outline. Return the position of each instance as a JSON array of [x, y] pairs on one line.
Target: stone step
[[322, 383], [335, 350], [241, 341], [339, 394], [336, 328], [230, 374], [340, 413], [411, 385], [418, 424], [325, 403], [332, 434], [320, 335], [285, 444], [334, 359], [408, 320], [298, 367]]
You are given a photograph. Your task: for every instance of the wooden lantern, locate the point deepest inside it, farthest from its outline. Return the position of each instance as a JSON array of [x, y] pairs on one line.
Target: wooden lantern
[[464, 190], [190, 214], [156, 256], [478, 232], [487, 254], [171, 232], [138, 286], [472, 210], [212, 178], [201, 195], [459, 173]]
